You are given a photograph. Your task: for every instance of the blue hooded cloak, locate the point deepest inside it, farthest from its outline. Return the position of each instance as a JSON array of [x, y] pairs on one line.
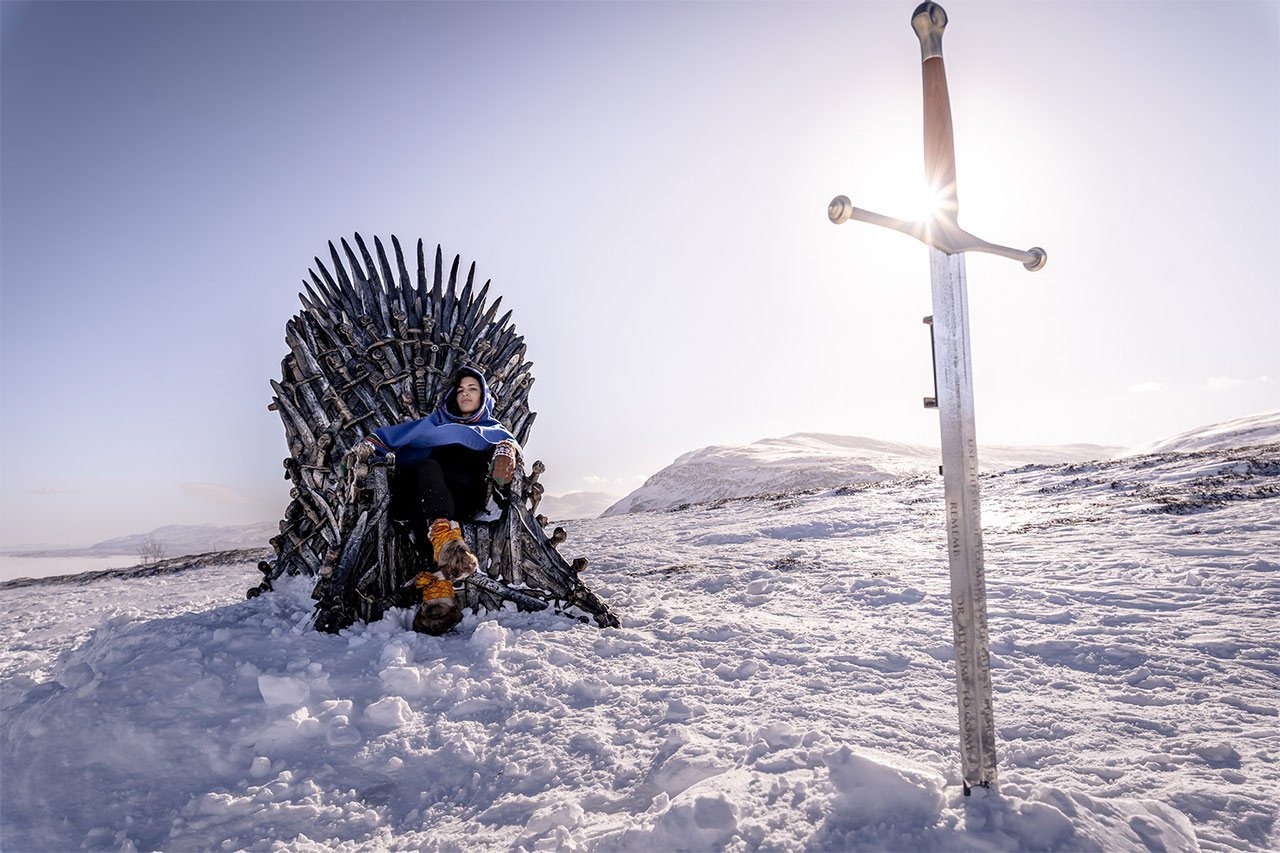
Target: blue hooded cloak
[[413, 441]]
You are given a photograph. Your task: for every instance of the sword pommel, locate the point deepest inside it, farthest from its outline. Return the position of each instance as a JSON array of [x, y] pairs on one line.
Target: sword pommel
[[929, 20], [1038, 258], [840, 209]]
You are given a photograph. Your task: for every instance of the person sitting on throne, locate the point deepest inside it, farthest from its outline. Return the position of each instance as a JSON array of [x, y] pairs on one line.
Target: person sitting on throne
[[443, 464]]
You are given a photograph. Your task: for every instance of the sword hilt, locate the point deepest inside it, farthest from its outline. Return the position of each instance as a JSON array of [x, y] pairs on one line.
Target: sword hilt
[[930, 21], [942, 231]]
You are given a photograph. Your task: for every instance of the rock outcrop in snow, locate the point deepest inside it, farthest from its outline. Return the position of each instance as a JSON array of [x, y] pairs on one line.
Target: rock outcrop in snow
[[816, 461]]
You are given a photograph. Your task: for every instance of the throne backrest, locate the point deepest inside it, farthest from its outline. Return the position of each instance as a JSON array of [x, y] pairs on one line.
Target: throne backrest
[[374, 347]]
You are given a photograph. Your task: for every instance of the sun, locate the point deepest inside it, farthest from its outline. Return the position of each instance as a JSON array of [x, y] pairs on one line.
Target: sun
[[929, 203]]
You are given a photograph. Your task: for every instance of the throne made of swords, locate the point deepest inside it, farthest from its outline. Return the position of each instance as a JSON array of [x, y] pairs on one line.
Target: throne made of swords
[[373, 346]]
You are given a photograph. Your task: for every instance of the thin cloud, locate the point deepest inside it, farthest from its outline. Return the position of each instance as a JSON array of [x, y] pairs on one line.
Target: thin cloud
[[1219, 382], [215, 493], [49, 490], [1148, 388]]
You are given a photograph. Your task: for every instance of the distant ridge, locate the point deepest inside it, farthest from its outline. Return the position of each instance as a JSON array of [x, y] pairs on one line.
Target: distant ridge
[[575, 505], [1262, 428], [178, 540], [170, 566], [807, 460]]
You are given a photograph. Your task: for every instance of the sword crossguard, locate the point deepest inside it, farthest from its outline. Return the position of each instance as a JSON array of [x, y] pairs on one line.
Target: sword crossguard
[[942, 234]]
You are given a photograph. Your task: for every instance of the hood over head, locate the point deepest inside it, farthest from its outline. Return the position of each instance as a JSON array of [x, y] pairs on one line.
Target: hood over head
[[449, 399], [414, 440]]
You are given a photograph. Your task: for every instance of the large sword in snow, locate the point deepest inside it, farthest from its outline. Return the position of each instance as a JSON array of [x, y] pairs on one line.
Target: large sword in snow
[[953, 398]]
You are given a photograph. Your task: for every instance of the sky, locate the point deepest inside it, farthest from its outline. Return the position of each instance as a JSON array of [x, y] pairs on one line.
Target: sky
[[646, 186]]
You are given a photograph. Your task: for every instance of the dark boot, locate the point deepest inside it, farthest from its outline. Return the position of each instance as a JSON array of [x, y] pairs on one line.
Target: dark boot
[[439, 610]]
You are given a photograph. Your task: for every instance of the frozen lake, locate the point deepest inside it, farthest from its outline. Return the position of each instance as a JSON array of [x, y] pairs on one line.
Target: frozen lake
[[44, 567]]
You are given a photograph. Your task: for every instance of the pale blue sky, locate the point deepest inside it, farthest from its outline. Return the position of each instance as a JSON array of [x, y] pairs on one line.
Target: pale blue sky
[[646, 184]]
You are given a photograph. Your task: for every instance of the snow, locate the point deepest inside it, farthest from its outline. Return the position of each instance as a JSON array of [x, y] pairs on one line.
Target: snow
[[782, 680], [283, 690], [815, 461]]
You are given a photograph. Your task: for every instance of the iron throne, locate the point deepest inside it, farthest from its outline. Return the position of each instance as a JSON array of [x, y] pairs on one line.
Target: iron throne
[[373, 347]]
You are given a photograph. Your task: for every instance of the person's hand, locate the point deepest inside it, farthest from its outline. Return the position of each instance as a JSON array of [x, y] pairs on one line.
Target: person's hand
[[503, 467], [363, 450]]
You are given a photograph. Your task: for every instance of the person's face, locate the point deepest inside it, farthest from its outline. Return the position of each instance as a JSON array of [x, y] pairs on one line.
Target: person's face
[[469, 395]]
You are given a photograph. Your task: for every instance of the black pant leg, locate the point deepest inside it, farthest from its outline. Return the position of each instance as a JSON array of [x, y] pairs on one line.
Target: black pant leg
[[466, 474], [452, 484], [419, 496]]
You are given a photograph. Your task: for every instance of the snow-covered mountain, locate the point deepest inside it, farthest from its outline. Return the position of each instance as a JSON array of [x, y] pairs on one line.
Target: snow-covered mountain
[[1262, 428], [817, 461], [575, 505], [783, 680]]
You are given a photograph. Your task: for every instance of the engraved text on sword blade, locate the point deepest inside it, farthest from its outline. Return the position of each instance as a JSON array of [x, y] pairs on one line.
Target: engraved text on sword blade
[[963, 517]]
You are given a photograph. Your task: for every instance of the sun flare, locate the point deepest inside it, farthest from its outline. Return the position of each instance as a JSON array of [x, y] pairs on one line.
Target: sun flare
[[926, 205]]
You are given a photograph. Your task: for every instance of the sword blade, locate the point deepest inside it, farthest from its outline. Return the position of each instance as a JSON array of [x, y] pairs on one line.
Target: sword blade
[[952, 362]]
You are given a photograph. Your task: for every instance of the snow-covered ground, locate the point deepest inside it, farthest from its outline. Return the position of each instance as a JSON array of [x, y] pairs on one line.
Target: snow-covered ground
[[808, 460], [782, 681]]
